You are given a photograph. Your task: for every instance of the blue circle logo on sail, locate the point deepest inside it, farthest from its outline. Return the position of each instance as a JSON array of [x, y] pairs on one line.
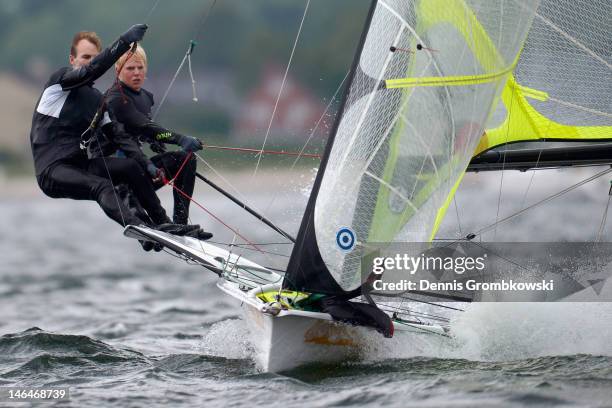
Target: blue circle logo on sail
[[345, 238]]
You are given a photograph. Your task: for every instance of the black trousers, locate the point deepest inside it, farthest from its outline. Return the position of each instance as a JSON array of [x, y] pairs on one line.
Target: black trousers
[[171, 163], [84, 179]]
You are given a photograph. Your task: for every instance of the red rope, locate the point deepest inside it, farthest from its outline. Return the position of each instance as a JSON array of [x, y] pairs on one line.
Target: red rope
[[244, 149], [166, 181], [171, 183]]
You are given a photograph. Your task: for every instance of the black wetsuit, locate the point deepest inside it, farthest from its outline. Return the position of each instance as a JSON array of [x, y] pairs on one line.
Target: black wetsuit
[[63, 170], [133, 110]]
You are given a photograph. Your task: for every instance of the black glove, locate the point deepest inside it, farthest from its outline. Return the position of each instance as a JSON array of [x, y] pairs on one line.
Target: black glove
[[190, 144], [157, 147], [135, 33], [156, 173], [152, 169]]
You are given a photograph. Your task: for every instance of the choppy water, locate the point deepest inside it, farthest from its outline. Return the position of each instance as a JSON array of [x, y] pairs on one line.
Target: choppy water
[[84, 308]]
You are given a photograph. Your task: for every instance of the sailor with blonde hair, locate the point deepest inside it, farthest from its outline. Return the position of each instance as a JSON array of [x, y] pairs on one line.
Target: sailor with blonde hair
[[130, 104]]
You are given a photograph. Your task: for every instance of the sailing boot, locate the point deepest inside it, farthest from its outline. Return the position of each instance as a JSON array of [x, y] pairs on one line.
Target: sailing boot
[[181, 214], [129, 199], [178, 229], [200, 234], [147, 245], [160, 218]]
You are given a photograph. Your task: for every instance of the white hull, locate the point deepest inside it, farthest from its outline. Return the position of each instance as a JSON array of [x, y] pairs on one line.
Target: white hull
[[293, 338], [283, 339]]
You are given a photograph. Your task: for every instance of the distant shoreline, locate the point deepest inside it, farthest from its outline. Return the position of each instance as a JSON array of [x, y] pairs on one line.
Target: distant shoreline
[[24, 186]]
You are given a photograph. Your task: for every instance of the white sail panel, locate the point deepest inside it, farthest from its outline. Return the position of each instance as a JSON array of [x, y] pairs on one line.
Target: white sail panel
[[400, 150], [568, 55], [562, 85]]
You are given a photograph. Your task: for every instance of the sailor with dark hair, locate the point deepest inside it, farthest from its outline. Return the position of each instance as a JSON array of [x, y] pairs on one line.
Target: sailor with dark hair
[[63, 117], [130, 105]]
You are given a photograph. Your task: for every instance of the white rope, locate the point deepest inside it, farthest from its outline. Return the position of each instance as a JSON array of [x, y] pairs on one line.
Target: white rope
[[312, 133], [151, 11], [193, 82], [161, 103], [297, 37]]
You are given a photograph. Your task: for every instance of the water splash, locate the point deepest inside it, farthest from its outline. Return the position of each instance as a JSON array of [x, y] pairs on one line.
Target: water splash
[[229, 339], [509, 331], [506, 331]]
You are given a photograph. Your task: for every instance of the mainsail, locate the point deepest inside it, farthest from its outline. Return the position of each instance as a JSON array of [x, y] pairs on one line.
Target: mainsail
[[425, 78]]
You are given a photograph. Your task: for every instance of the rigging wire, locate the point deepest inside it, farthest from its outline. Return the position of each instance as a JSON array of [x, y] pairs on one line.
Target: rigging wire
[[187, 58], [311, 135], [261, 216], [280, 92], [543, 201], [151, 12], [245, 247], [549, 125], [176, 74], [262, 244], [259, 151], [501, 181], [111, 181], [502, 257], [407, 310], [604, 217], [181, 192], [457, 211], [531, 180], [432, 303]]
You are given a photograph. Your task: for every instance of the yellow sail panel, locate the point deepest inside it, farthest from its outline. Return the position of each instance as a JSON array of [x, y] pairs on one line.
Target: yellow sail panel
[[562, 85], [524, 123], [444, 208], [446, 81]]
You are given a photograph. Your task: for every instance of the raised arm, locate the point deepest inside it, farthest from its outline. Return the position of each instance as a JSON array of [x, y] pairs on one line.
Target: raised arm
[[103, 61]]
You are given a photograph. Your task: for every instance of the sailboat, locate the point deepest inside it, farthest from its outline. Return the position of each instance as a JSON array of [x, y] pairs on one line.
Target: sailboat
[[434, 88]]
